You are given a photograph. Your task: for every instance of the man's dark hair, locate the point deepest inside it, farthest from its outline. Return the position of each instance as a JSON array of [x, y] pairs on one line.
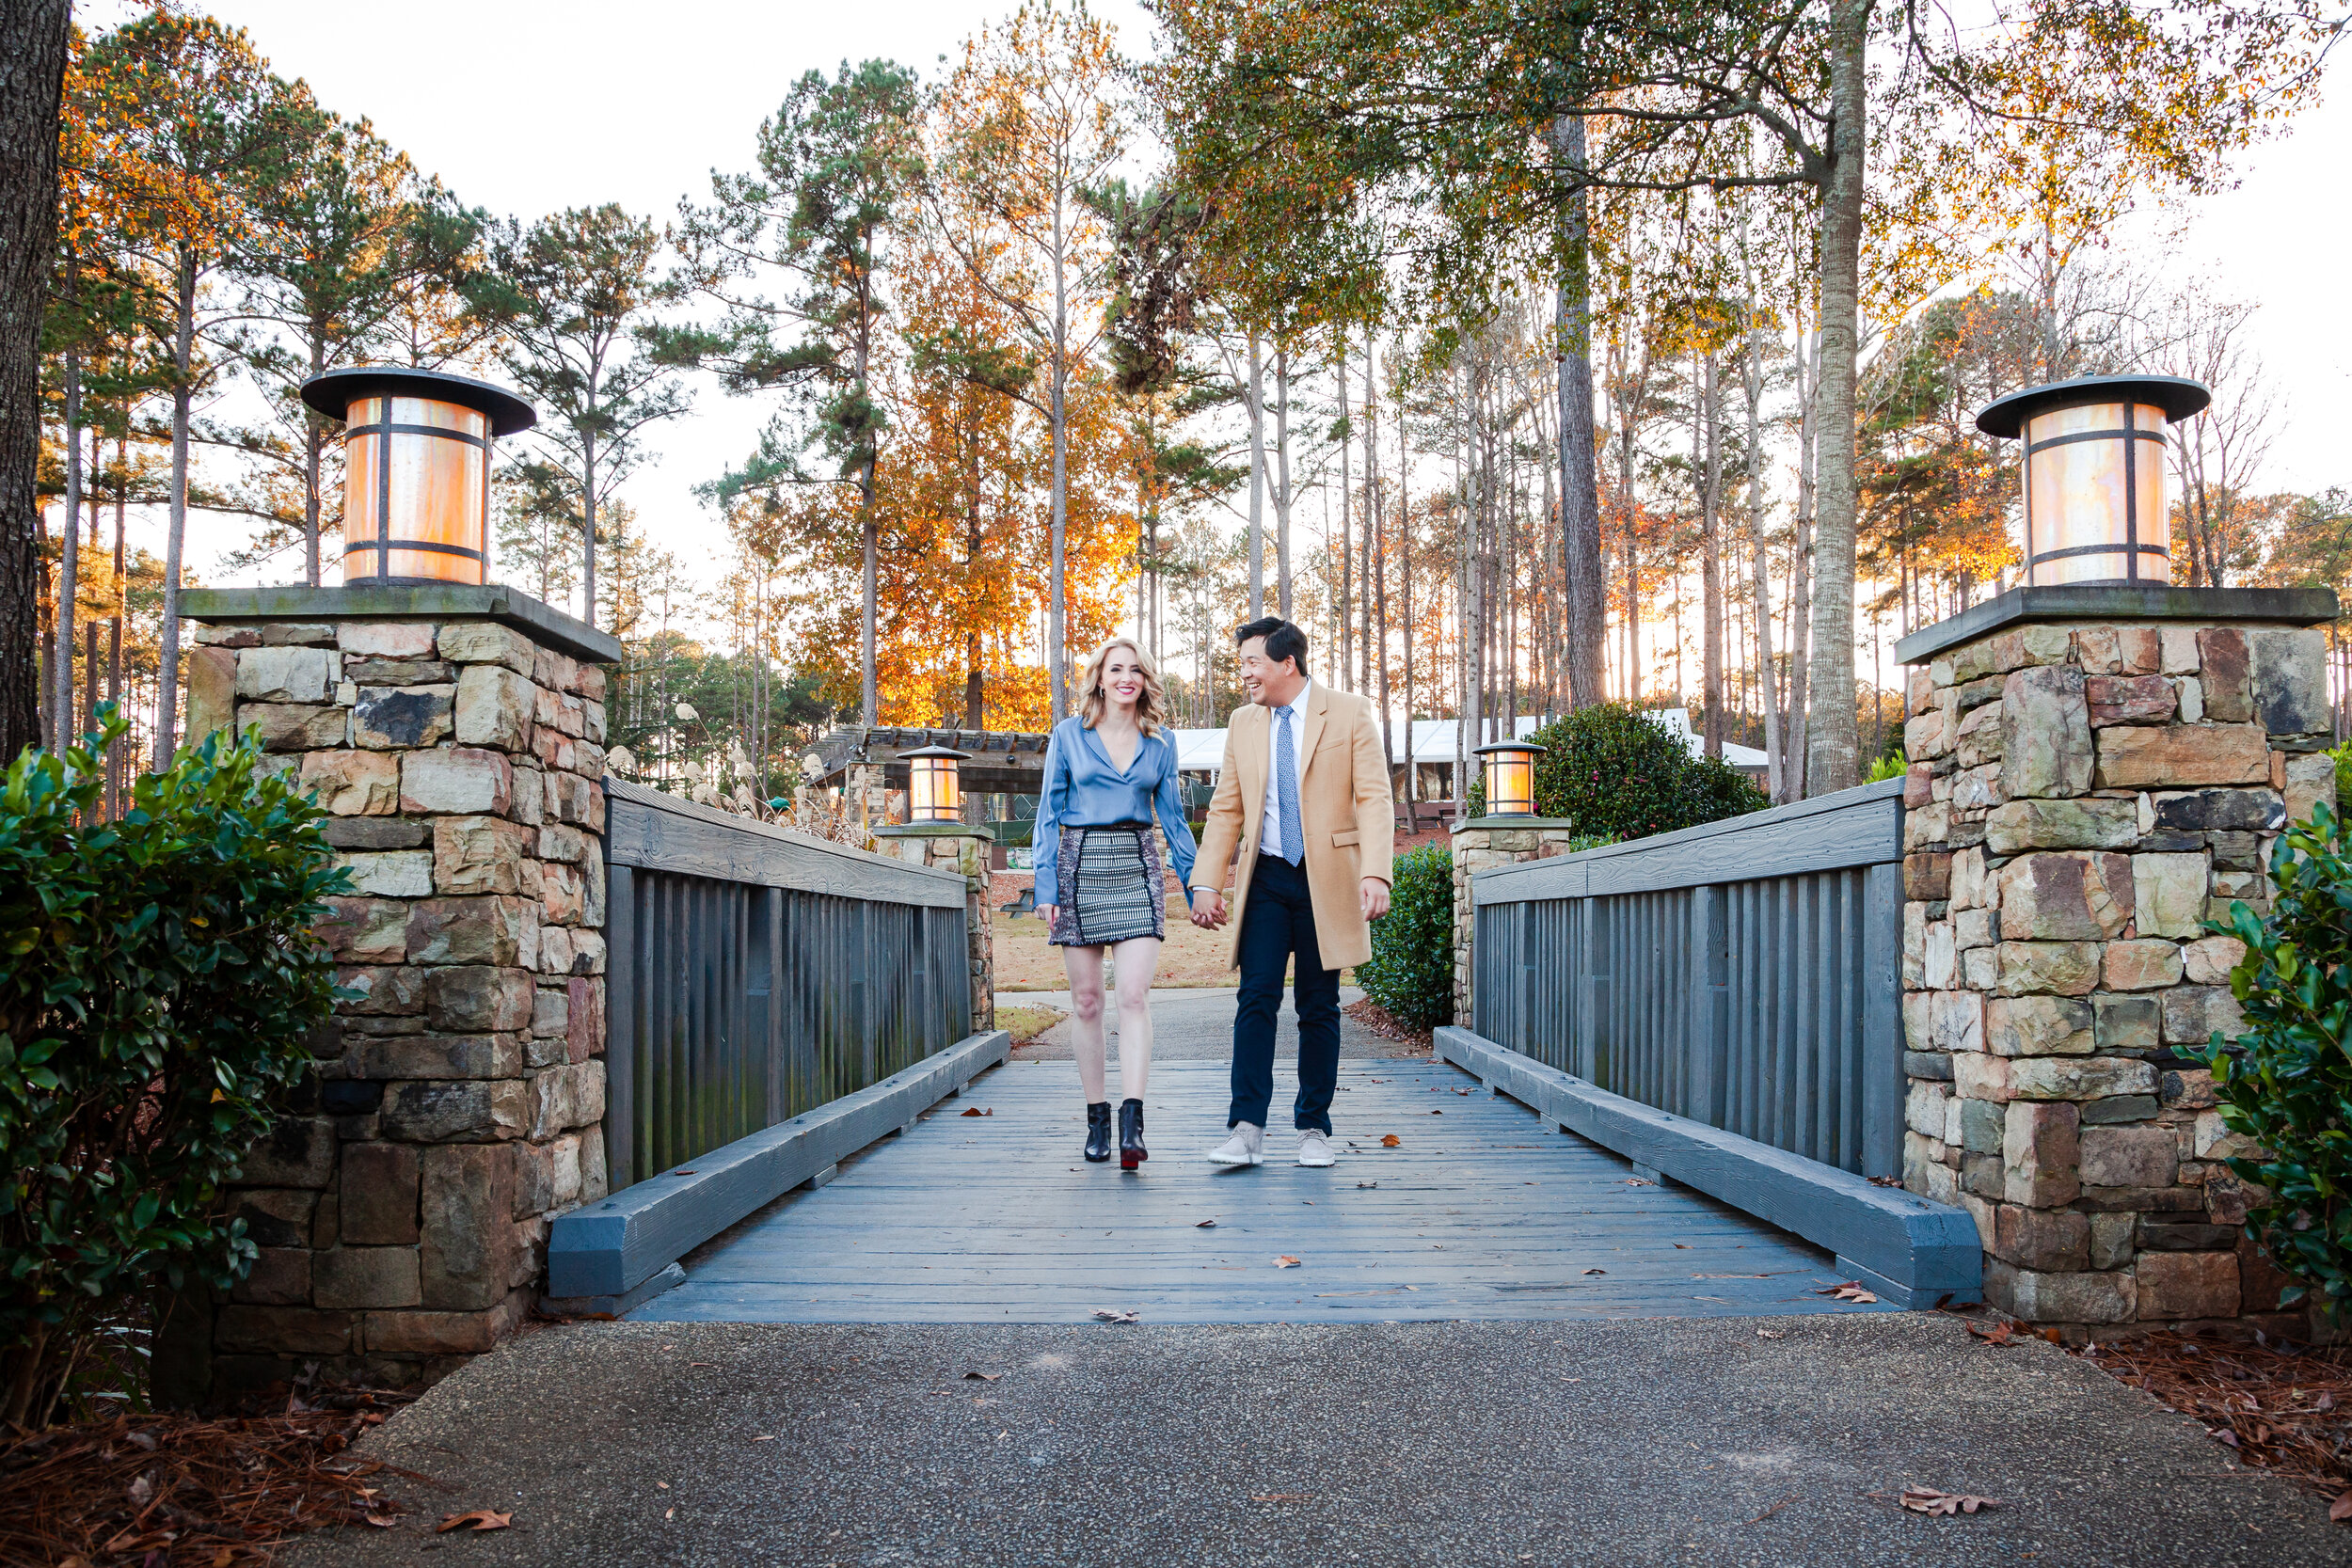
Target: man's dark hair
[[1283, 639]]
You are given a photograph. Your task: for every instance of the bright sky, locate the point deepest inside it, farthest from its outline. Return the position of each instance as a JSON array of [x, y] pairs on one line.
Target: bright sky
[[524, 108]]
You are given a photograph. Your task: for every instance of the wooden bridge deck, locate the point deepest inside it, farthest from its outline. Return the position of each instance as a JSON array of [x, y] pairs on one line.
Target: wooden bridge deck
[[1480, 1212]]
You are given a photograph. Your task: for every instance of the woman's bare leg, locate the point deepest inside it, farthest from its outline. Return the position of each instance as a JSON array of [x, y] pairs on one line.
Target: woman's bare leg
[[1135, 961], [1084, 965]]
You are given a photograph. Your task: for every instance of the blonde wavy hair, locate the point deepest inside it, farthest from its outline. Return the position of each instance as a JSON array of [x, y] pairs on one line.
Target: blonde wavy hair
[[1094, 702]]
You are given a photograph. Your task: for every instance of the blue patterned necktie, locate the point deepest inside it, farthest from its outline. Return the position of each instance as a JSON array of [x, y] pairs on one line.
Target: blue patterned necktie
[[1286, 790]]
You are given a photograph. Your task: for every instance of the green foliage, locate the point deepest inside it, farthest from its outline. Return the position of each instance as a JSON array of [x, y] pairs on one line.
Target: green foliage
[[2344, 772], [158, 984], [1892, 766], [1410, 975], [1611, 769], [2286, 1083]]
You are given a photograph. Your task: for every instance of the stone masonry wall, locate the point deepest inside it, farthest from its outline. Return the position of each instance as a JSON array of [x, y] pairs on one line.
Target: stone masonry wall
[[402, 1217], [967, 855], [1480, 845], [2081, 799]]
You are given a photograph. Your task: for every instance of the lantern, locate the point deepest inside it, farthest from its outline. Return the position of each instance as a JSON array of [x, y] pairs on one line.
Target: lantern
[[933, 792], [1510, 768], [2093, 474], [417, 453]]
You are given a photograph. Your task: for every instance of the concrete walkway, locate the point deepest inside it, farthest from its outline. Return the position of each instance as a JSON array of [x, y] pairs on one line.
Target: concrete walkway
[[1685, 1442]]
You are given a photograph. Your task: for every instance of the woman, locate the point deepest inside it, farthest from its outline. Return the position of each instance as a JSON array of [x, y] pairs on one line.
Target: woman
[[1099, 879]]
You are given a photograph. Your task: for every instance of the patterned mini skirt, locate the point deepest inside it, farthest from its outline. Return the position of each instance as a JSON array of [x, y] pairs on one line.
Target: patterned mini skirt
[[1111, 887]]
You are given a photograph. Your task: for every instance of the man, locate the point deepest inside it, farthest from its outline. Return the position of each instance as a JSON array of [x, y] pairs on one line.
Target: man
[[1305, 796]]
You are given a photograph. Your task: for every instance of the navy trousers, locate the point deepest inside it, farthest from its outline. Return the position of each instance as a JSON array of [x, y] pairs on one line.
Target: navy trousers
[[1278, 924]]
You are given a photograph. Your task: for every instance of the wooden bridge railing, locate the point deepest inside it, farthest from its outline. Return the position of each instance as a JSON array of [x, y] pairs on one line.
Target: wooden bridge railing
[[755, 974], [1746, 975]]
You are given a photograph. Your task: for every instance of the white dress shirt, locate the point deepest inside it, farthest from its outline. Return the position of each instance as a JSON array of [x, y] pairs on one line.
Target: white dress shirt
[[1270, 815]]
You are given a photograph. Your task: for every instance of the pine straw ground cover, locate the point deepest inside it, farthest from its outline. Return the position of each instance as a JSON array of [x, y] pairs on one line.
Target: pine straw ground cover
[[2285, 1410], [1379, 1021], [177, 1491]]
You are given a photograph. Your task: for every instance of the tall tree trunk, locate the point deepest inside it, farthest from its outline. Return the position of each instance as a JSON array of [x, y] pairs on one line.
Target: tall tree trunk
[[1707, 462], [1405, 536], [1767, 673], [1830, 763], [32, 76], [118, 755], [182, 397], [1801, 566], [1282, 482], [1580, 492], [1347, 533], [1372, 498], [588, 517], [1056, 602], [69, 563], [1257, 480], [313, 443]]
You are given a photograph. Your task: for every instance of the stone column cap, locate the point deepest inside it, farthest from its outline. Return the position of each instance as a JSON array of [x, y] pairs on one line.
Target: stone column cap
[[1508, 823], [2121, 601], [936, 829], [454, 601]]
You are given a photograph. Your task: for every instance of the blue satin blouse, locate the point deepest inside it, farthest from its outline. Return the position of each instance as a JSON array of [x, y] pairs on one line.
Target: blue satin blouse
[[1084, 789]]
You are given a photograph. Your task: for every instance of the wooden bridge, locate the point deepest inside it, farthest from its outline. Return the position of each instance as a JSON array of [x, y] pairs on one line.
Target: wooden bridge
[[817, 1133]]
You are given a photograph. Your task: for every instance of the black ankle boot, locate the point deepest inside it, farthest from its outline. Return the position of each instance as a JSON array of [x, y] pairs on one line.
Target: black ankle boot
[[1131, 1150], [1099, 1130]]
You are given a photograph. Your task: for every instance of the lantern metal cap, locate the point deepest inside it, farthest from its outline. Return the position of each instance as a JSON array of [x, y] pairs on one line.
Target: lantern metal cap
[[1530, 748], [935, 752], [333, 392], [2177, 395]]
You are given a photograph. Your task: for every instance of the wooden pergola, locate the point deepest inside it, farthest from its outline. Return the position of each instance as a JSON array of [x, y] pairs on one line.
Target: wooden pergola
[[1002, 762]]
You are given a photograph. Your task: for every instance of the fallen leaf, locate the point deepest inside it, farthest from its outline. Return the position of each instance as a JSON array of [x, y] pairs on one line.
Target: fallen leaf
[[1851, 1291], [1437, 1113], [981, 1377], [1595, 1271], [663, 1484], [1923, 1499], [1279, 1496], [682, 1172], [1999, 1334], [1113, 1315], [1637, 1181], [1205, 1225], [1286, 1261], [2341, 1509], [702, 1363], [1390, 1140], [382, 1521], [1774, 1509], [1683, 1247], [976, 1111], [1772, 1334], [1360, 1185], [764, 1438], [669, 1513], [479, 1519]]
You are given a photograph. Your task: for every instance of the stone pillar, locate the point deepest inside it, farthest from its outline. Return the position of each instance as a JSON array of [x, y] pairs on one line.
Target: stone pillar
[[961, 847], [1481, 843], [456, 737], [2096, 772]]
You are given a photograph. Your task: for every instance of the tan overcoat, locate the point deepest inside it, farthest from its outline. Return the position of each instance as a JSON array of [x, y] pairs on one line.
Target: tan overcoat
[[1345, 813]]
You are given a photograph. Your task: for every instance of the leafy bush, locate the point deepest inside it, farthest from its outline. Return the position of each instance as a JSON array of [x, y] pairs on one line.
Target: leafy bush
[[1410, 975], [1894, 765], [158, 983], [1613, 770], [2286, 1083]]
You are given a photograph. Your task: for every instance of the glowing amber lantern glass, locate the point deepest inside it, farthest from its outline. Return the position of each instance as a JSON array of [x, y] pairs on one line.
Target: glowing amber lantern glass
[[934, 793], [418, 447], [2093, 474], [1510, 768]]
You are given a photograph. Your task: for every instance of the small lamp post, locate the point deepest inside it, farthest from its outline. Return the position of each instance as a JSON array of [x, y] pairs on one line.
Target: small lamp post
[[934, 793], [1510, 769], [416, 456], [2093, 474]]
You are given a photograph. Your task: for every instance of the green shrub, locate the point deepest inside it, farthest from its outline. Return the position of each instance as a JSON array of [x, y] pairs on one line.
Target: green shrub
[[1410, 975], [1894, 765], [1614, 771], [158, 984], [2286, 1083]]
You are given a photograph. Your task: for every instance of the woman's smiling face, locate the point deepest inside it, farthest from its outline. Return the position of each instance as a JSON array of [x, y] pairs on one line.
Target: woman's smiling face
[[1122, 678]]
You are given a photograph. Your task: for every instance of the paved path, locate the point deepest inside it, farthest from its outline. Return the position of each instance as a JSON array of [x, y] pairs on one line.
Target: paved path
[[1682, 1442], [1480, 1212]]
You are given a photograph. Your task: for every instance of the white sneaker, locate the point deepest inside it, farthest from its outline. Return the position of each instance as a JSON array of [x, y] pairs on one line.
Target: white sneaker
[[1314, 1148], [1246, 1146]]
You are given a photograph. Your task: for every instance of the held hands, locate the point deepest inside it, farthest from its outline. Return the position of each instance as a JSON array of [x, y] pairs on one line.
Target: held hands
[[1373, 895], [1208, 908]]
